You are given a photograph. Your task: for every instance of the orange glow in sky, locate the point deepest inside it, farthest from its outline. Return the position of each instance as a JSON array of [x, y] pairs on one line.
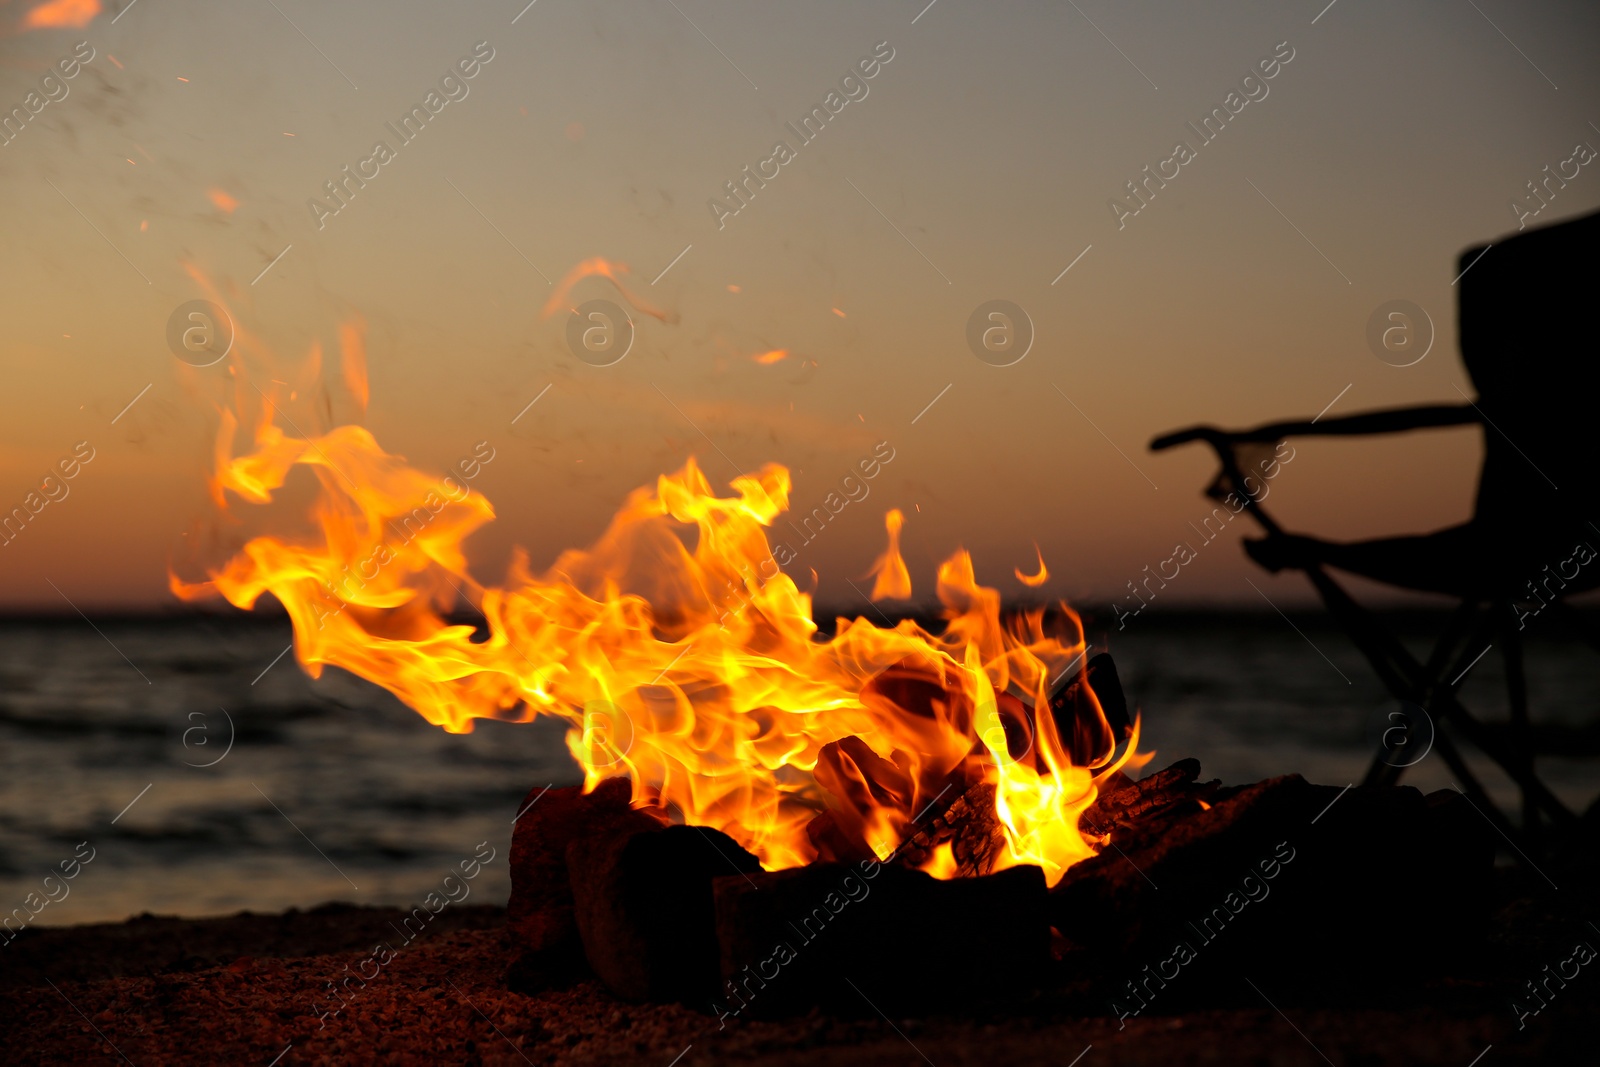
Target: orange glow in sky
[[61, 13]]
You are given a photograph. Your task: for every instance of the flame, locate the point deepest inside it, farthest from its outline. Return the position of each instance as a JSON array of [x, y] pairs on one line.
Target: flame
[[943, 864], [893, 581], [675, 647], [224, 202], [598, 265], [56, 14], [1034, 580], [353, 360], [777, 355]]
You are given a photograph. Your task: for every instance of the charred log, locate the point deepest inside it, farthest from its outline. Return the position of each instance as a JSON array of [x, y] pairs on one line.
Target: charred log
[[1312, 881], [643, 907], [836, 935], [861, 782], [1122, 800], [961, 814], [539, 914], [1107, 685], [1091, 712], [968, 825]]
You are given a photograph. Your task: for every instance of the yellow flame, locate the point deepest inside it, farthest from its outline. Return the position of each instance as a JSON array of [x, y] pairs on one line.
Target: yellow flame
[[942, 864]]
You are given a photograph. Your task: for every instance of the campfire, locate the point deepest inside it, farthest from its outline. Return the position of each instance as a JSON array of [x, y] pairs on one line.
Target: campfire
[[761, 800], [683, 657]]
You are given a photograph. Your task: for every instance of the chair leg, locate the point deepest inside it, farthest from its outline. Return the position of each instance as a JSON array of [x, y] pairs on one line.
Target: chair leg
[[1448, 656], [1400, 673], [1521, 733]]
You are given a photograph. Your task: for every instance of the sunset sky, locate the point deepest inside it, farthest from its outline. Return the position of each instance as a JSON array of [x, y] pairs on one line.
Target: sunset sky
[[978, 162]]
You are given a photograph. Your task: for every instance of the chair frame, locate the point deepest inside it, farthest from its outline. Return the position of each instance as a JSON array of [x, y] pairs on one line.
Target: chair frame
[[1475, 624]]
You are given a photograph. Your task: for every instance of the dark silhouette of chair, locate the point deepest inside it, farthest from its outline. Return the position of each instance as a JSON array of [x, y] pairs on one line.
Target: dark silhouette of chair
[[1525, 325]]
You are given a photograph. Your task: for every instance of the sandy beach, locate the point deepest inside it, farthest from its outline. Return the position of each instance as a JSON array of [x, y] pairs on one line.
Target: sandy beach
[[247, 989]]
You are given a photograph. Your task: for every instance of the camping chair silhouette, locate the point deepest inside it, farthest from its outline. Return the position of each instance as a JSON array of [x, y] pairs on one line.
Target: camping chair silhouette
[[1524, 325]]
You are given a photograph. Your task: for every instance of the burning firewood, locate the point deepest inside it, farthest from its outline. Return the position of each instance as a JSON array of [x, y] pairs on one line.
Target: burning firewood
[[869, 791], [969, 825], [873, 798], [1123, 801], [1091, 711], [960, 817]]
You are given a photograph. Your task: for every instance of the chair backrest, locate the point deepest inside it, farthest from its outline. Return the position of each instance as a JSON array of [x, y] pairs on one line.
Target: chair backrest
[[1529, 310]]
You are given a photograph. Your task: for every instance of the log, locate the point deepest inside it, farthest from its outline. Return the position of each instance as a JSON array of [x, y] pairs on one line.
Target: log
[[539, 914], [871, 936], [961, 814], [1123, 800], [1101, 671], [644, 907], [1311, 884], [1091, 717], [968, 824], [859, 783], [1114, 901], [1090, 736]]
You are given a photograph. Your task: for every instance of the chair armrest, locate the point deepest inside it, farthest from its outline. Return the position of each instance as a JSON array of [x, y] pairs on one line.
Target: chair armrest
[[1391, 420]]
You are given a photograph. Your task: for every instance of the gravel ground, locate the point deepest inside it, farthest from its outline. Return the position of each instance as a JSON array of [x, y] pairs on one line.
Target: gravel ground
[[246, 990]]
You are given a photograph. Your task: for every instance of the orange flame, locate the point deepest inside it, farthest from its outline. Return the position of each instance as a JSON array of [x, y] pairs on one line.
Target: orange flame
[[893, 581], [225, 203], [57, 14], [353, 360], [599, 265], [767, 359], [675, 647], [1034, 580]]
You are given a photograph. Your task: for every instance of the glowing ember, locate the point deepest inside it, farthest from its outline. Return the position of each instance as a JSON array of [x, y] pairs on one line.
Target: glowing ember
[[675, 647]]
